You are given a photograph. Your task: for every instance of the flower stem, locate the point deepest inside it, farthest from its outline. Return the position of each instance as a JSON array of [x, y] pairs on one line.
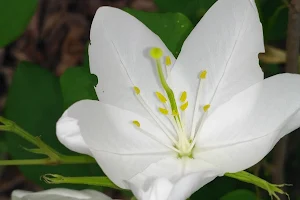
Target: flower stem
[[93, 180], [47, 161], [44, 161], [272, 189], [54, 157]]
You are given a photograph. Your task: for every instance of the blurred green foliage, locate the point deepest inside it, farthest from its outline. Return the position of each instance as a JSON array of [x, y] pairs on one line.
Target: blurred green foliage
[[172, 28], [35, 103], [14, 18], [274, 17], [77, 84], [240, 195], [216, 189], [193, 9]]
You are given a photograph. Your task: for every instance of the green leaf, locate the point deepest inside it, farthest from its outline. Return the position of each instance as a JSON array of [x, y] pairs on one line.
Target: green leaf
[[77, 84], [14, 18], [216, 189], [274, 16], [172, 28], [240, 195], [193, 9], [35, 103]]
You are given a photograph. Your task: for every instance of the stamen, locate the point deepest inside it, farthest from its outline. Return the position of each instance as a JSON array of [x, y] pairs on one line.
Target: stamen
[[161, 97], [198, 129], [155, 118], [137, 90], [206, 107], [136, 123], [163, 111], [168, 61], [153, 137], [183, 96], [183, 120], [202, 76], [184, 106]]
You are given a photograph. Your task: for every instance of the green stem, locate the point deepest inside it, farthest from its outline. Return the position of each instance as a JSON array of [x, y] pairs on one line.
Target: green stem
[[272, 189], [54, 157], [44, 161], [77, 159], [64, 160], [94, 180]]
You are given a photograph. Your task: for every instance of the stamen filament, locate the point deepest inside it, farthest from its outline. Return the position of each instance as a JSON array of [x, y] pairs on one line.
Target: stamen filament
[[197, 103], [168, 63], [156, 119], [205, 109], [183, 121], [156, 139]]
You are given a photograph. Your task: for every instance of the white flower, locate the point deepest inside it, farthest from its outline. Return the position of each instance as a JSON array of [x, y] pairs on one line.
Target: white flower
[[214, 114], [59, 194]]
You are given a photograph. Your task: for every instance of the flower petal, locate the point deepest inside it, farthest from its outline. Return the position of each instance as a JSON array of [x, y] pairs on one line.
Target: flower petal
[[68, 133], [243, 130], [187, 175], [119, 56], [226, 43], [292, 124], [121, 149], [59, 194], [153, 189], [189, 184]]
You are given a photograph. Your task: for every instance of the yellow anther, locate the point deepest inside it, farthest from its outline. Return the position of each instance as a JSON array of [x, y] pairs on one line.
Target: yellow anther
[[137, 90], [183, 96], [206, 107], [184, 106], [136, 123], [156, 53], [161, 97], [163, 111], [168, 61], [174, 113], [203, 74]]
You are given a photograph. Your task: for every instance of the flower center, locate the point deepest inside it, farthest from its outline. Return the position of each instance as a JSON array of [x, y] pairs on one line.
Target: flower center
[[182, 140]]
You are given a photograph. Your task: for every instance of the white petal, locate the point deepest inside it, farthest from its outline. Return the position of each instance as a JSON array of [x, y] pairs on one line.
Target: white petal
[[170, 168], [153, 189], [188, 174], [59, 194], [119, 56], [19, 194], [226, 43], [185, 175], [96, 195], [68, 133], [189, 184], [196, 174], [119, 147], [243, 130], [292, 124]]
